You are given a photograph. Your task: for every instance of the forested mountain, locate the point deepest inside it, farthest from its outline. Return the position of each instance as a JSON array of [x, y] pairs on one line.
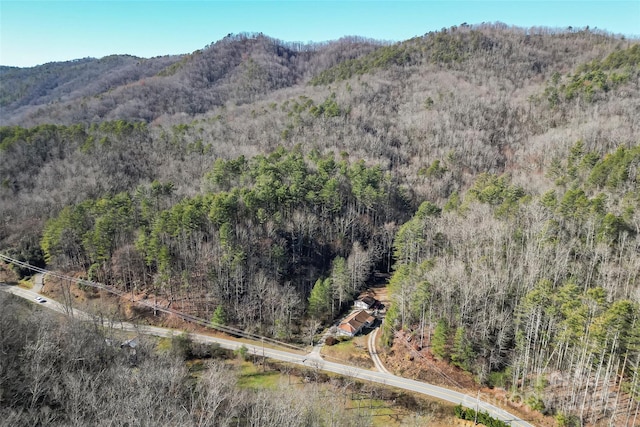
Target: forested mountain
[[238, 69], [492, 170], [24, 89]]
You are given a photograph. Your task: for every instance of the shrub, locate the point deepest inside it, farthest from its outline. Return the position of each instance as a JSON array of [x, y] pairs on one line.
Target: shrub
[[330, 341], [242, 352]]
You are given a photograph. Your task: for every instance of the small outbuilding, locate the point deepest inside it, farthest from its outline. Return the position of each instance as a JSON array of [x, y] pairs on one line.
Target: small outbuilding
[[366, 303]]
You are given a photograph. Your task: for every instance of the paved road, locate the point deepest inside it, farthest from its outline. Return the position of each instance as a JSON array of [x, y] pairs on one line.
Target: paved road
[[38, 282], [49, 303], [309, 361]]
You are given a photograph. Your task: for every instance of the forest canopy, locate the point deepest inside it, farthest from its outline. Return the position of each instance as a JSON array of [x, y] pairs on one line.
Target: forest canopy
[[491, 172]]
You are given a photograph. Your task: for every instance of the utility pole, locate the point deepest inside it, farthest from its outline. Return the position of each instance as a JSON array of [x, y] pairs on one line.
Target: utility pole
[[422, 328], [475, 418]]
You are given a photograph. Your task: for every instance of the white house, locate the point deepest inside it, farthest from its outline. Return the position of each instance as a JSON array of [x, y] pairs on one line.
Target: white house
[[365, 303]]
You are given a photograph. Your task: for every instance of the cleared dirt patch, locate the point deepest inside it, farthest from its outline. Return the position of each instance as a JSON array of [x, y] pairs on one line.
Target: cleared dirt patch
[[7, 275], [405, 360]]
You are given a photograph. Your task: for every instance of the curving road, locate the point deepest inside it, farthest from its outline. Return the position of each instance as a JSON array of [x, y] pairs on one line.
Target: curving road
[[373, 352], [311, 360]]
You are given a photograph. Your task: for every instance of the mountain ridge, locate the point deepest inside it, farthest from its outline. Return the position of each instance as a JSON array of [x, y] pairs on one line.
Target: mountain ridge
[[241, 67], [246, 67], [271, 183]]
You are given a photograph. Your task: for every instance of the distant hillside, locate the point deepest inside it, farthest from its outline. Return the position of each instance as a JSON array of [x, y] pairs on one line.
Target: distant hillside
[[240, 68], [243, 68], [63, 82]]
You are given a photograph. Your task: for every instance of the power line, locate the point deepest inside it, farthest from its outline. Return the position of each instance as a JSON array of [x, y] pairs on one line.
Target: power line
[[185, 316]]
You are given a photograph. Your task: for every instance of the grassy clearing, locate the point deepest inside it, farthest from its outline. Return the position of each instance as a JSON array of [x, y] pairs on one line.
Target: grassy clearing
[[163, 345], [26, 283], [254, 378], [384, 407], [353, 351]]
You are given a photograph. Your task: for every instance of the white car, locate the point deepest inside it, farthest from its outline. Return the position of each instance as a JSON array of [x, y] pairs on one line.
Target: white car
[[40, 300]]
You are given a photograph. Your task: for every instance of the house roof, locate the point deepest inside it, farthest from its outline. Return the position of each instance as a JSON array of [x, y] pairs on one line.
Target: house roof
[[347, 327], [354, 321], [368, 300]]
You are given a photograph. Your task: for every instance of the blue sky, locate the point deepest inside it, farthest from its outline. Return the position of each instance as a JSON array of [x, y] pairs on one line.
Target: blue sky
[[34, 32]]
